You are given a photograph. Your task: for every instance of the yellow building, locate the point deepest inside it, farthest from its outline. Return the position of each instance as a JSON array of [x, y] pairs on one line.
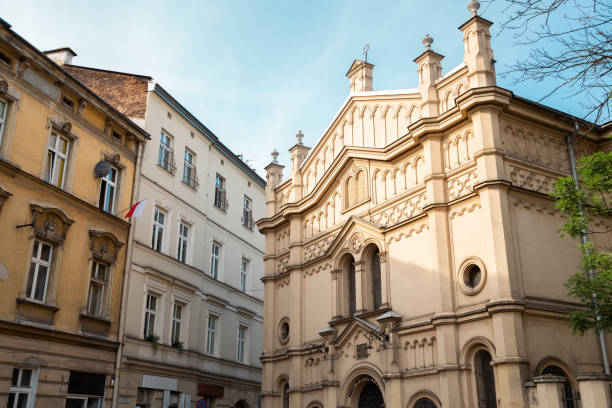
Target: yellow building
[[67, 166]]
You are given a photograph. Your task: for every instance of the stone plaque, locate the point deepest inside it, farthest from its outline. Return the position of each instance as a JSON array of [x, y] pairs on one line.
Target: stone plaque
[[362, 351]]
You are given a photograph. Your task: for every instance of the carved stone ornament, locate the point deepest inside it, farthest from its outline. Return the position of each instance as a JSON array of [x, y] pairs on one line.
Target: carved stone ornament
[[356, 242], [82, 105], [3, 196], [21, 67], [3, 87], [50, 224], [104, 246], [66, 127]]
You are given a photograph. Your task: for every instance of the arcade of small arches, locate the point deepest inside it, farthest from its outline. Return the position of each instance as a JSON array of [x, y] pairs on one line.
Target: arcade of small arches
[[365, 388]]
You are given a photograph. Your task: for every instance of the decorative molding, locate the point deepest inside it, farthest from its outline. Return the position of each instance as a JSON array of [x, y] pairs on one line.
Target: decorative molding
[[401, 211], [318, 248], [356, 242], [317, 269], [463, 210], [539, 208], [4, 195], [283, 282], [281, 264], [408, 233], [462, 184], [104, 246], [531, 180], [50, 224]]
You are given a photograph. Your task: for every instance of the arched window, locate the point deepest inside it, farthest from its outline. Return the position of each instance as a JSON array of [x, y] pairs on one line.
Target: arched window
[[568, 393], [485, 379], [355, 190], [375, 271], [285, 395], [424, 402], [351, 287]]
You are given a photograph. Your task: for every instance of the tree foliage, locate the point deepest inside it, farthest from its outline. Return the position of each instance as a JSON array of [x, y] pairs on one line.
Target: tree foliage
[[571, 42], [583, 210]]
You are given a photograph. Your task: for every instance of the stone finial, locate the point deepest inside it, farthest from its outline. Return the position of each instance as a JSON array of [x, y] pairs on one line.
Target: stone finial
[[274, 155], [427, 41], [299, 136], [473, 7]]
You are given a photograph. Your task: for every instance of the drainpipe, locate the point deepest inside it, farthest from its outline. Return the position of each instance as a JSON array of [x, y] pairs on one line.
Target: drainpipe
[[570, 139], [126, 275]]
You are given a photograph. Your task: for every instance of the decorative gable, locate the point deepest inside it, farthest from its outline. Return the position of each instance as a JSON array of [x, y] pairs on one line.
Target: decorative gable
[[50, 224], [104, 246]]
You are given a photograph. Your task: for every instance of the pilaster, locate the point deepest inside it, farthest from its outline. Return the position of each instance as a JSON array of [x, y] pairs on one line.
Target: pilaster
[[360, 284], [550, 390]]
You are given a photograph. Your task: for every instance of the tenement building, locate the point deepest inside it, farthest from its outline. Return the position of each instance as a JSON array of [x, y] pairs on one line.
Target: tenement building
[[194, 307], [413, 256], [68, 161]]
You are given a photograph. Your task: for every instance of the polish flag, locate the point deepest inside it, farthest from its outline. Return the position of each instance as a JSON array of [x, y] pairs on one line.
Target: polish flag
[[136, 210]]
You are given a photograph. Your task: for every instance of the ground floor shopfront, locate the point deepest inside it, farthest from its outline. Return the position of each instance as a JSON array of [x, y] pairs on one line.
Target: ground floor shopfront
[[50, 369], [149, 385]]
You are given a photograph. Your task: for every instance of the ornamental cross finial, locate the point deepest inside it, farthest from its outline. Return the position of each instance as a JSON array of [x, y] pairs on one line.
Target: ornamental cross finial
[[427, 41], [299, 136], [274, 155], [473, 7]]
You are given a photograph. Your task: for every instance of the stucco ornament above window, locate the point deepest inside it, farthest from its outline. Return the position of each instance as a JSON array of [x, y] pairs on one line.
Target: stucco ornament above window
[[3, 196], [50, 224], [104, 246]]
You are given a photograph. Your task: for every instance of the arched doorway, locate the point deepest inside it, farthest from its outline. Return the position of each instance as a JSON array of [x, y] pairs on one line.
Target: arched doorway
[[568, 393], [425, 402], [485, 379], [370, 396]]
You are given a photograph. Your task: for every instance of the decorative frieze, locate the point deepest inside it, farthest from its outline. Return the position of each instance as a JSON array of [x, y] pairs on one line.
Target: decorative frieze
[[318, 248], [420, 353], [531, 180], [401, 211], [462, 184]]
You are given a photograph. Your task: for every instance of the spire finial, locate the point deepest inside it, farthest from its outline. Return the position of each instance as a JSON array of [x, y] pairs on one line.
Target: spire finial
[[473, 7], [427, 41], [274, 155], [299, 136]]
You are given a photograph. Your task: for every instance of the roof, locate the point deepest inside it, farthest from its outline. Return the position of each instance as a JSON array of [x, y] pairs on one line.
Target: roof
[[70, 50], [52, 66]]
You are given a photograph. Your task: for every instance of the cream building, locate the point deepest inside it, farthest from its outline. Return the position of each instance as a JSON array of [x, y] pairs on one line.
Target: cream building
[[193, 316], [413, 257]]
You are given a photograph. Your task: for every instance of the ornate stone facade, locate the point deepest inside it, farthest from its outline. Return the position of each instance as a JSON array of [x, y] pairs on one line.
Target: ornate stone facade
[[414, 255]]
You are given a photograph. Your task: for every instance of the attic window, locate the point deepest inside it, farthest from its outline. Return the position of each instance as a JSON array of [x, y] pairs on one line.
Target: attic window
[[4, 58], [69, 103], [116, 136]]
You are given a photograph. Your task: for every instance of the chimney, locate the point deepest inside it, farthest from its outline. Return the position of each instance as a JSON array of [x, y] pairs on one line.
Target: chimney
[[360, 74], [478, 55], [61, 56], [429, 68]]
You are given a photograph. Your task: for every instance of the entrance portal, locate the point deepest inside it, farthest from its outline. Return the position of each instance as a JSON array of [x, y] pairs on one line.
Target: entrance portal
[[371, 397]]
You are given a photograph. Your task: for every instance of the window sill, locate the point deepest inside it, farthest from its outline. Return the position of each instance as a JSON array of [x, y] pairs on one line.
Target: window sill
[[223, 210], [169, 171], [190, 185], [98, 319], [34, 303], [94, 324]]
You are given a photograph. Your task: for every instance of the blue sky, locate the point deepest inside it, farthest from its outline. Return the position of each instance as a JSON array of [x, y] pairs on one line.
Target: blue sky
[[256, 72]]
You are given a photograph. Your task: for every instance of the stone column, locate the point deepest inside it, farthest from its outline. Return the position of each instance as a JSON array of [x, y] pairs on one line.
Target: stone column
[[531, 392], [384, 280], [393, 391], [595, 390], [360, 277], [336, 276], [550, 390]]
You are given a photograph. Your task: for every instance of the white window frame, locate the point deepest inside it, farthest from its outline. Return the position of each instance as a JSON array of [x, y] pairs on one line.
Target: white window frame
[[157, 242], [107, 184], [220, 192], [85, 399], [244, 266], [183, 242], [189, 168], [30, 391], [215, 260], [147, 313], [103, 283], [211, 334], [241, 352], [53, 157], [3, 119], [38, 262], [247, 212], [165, 151], [177, 323]]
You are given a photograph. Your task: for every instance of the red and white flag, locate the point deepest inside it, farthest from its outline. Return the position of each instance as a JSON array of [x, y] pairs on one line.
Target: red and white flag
[[136, 210]]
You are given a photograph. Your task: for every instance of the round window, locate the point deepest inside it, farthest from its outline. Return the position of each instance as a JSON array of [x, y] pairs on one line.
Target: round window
[[472, 276], [283, 330]]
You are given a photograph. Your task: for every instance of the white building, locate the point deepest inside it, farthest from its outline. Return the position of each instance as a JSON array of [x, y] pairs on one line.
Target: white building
[[194, 308]]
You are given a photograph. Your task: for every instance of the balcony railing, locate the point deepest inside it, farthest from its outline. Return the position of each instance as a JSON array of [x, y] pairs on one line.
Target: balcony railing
[[247, 219], [221, 199], [190, 177], [166, 159]]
